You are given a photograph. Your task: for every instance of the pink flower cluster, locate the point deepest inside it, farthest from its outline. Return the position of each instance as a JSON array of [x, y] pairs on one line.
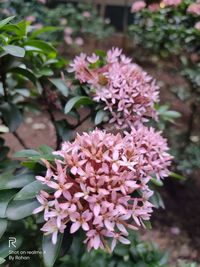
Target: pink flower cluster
[[68, 38], [194, 8], [123, 87], [101, 185], [138, 6], [172, 2]]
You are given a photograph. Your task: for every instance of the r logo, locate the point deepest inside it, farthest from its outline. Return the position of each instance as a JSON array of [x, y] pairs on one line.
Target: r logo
[[12, 241]]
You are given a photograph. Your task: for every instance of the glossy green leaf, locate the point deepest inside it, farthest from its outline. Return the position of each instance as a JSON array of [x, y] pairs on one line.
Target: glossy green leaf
[[61, 86], [14, 50], [30, 191], [10, 181], [19, 209], [11, 115], [5, 197], [3, 226], [77, 101], [50, 251]]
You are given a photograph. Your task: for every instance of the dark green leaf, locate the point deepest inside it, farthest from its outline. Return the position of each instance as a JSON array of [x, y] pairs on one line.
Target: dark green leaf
[[28, 74], [11, 115], [14, 50], [61, 86], [77, 101], [51, 251], [19, 209]]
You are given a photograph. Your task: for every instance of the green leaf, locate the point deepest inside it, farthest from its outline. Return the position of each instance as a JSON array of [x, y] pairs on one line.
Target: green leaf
[[177, 176], [64, 130], [3, 152], [11, 115], [4, 246], [26, 73], [46, 149], [156, 181], [40, 46], [61, 86], [157, 201], [43, 30], [30, 191], [99, 118], [14, 50], [5, 21], [77, 101], [10, 181], [5, 197], [26, 153], [3, 226], [50, 251], [19, 209]]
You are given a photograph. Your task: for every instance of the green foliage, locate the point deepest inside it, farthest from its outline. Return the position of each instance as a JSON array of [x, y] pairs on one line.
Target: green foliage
[[138, 254], [60, 16]]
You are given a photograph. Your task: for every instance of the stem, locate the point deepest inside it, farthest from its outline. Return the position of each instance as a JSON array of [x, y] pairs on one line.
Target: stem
[[51, 116], [81, 121], [3, 79], [19, 140]]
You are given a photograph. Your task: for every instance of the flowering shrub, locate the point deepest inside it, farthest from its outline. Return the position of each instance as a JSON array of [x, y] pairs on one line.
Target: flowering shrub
[[71, 22], [101, 182], [171, 29]]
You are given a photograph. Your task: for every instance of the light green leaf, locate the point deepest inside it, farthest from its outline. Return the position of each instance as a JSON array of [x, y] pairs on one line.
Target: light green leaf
[[50, 251], [61, 86], [99, 118], [5, 21], [14, 50], [77, 101], [19, 209]]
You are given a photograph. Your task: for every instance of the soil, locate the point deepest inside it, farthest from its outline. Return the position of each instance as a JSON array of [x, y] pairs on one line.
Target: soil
[[177, 227]]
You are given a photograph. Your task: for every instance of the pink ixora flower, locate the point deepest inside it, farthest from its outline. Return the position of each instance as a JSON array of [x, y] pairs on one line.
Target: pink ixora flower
[[197, 26], [171, 2], [154, 7], [126, 91], [94, 181], [137, 6], [194, 8], [86, 14]]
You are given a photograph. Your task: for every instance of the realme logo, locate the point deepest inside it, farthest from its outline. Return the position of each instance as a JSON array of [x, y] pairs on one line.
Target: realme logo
[[11, 242]]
